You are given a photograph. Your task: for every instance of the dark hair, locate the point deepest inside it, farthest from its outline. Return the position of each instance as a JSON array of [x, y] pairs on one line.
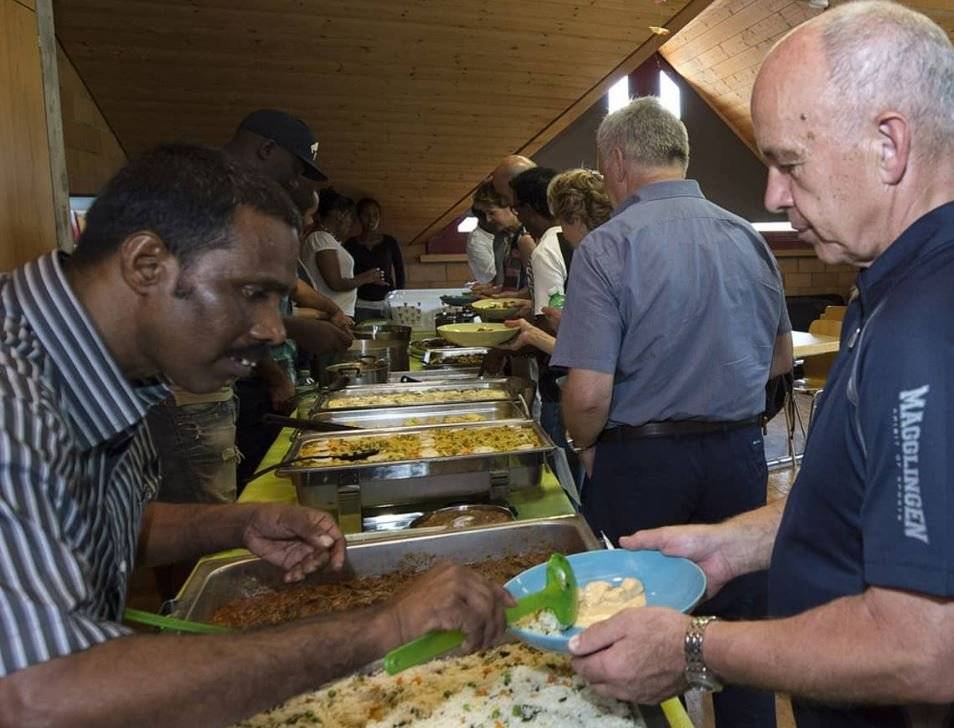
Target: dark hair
[[486, 194], [365, 202], [330, 201], [187, 195], [530, 188]]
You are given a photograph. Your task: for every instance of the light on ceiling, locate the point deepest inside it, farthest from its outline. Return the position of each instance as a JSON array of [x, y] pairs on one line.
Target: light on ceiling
[[467, 225], [618, 96]]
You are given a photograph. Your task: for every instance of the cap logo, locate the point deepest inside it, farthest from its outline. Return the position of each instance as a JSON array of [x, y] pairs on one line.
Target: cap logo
[[314, 151]]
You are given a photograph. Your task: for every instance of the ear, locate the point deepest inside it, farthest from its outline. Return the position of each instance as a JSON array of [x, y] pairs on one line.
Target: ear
[[265, 149], [894, 147], [146, 263], [619, 167]]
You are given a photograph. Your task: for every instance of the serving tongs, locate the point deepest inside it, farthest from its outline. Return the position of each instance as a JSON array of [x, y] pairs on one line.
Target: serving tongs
[[306, 424], [350, 457]]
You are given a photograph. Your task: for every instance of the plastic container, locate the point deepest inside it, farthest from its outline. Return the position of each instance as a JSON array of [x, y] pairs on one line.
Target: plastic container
[[557, 298]]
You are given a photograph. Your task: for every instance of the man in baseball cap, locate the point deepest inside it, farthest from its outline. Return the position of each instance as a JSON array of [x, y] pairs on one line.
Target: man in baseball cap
[[284, 144]]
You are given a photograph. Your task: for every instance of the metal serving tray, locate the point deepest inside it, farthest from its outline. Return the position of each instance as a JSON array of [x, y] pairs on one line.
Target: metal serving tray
[[348, 489], [215, 582], [372, 419], [433, 375], [443, 358], [514, 386]]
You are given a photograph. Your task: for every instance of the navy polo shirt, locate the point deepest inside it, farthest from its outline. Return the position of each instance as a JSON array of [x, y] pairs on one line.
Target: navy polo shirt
[[874, 501]]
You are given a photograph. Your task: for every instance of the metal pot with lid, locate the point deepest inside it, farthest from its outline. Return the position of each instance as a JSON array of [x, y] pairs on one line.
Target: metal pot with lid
[[362, 370], [382, 341]]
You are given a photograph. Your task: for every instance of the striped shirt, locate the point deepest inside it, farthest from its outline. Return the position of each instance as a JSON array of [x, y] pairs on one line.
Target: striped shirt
[[77, 466]]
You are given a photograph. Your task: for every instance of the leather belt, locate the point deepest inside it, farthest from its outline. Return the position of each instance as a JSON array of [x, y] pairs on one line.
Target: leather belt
[[672, 428]]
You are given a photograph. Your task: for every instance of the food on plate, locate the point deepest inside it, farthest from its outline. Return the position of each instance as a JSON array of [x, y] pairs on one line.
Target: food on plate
[[510, 685], [443, 419], [274, 606], [598, 600], [425, 396], [437, 443]]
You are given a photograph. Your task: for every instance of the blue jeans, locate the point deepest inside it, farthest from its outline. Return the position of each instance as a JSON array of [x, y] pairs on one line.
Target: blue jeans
[[663, 481], [197, 452]]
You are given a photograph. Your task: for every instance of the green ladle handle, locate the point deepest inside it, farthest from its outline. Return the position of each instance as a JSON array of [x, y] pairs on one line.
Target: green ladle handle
[[434, 644], [180, 625], [421, 650]]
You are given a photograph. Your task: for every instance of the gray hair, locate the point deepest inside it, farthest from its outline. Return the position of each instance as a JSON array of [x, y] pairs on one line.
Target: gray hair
[[883, 55], [647, 133]]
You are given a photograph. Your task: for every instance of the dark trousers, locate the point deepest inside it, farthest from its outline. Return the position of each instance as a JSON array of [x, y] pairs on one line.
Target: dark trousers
[[252, 437], [663, 481]]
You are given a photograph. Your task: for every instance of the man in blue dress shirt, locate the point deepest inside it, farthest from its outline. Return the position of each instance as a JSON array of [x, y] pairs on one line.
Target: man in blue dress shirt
[[673, 312]]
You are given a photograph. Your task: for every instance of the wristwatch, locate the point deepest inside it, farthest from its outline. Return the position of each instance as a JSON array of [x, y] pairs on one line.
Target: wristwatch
[[698, 675], [573, 445]]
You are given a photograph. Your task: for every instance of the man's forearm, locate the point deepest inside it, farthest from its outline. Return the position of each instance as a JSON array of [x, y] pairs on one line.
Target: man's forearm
[[846, 651], [751, 537], [151, 680], [173, 532], [308, 297]]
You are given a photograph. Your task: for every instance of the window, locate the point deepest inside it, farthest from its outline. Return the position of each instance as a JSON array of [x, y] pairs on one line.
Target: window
[[669, 94], [618, 95]]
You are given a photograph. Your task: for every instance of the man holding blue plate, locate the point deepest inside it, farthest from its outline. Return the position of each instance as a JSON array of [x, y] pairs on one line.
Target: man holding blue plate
[[854, 114]]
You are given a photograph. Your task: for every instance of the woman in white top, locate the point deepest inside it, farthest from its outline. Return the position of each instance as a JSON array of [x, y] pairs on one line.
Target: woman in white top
[[330, 265]]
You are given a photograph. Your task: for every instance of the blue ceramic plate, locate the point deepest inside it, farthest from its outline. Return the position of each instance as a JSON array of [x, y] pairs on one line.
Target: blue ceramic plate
[[669, 581]]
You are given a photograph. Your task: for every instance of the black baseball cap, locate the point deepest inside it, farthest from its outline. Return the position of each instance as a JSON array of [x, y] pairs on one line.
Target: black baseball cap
[[291, 134]]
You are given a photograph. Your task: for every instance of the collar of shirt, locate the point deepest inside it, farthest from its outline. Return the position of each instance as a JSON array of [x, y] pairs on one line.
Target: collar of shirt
[[661, 191], [101, 402], [926, 234]]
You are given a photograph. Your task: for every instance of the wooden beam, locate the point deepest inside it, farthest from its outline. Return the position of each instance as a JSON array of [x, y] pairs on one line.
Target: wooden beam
[[54, 124]]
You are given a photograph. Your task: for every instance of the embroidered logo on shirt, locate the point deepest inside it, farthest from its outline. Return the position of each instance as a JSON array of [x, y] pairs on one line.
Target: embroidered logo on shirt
[[908, 416]]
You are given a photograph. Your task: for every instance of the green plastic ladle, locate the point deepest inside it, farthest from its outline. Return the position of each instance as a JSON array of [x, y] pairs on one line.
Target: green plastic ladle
[[180, 625], [559, 596]]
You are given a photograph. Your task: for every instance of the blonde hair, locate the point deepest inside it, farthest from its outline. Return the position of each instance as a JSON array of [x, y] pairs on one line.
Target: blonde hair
[[578, 195]]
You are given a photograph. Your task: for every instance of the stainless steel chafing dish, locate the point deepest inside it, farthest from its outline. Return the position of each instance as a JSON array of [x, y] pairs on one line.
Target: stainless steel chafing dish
[[350, 489], [214, 583], [423, 414], [446, 358], [513, 386], [434, 375]]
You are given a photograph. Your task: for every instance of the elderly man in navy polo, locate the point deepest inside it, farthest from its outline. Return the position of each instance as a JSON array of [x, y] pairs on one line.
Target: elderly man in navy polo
[[854, 114], [671, 321]]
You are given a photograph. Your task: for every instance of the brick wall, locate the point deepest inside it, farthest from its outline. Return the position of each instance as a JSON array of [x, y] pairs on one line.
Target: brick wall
[[93, 154], [804, 274]]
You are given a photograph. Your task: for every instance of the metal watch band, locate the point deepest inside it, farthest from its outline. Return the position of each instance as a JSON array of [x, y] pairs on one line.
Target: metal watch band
[[698, 675]]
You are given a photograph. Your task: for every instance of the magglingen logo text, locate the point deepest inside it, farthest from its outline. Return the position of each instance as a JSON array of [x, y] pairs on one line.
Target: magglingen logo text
[[908, 418]]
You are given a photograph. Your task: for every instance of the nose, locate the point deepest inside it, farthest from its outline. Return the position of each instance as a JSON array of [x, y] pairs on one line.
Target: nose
[[778, 192], [269, 328]]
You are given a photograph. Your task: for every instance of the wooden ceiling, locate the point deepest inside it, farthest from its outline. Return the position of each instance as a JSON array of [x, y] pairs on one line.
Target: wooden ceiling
[[721, 49], [413, 101]]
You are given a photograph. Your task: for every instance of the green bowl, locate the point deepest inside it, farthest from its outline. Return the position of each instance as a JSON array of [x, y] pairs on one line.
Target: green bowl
[[498, 309], [477, 334]]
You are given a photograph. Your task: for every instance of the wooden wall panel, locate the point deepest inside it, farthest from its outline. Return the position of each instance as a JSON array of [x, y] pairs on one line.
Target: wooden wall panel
[[93, 154], [26, 191], [720, 51]]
